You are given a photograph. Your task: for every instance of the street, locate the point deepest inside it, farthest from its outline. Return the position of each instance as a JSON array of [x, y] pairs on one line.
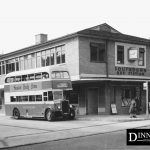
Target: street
[[112, 140], [75, 134]]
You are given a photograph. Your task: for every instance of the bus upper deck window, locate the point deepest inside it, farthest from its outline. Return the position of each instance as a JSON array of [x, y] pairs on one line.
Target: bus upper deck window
[[38, 76], [45, 75], [24, 78], [7, 80], [31, 76], [65, 74], [11, 79], [18, 78]]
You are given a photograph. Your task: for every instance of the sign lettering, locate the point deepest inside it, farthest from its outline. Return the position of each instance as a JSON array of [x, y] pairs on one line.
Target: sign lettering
[[130, 71]]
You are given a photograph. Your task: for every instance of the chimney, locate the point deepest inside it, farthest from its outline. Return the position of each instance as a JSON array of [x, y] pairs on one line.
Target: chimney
[[40, 38]]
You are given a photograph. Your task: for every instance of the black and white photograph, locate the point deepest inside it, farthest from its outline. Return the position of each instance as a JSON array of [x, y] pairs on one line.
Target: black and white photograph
[[74, 74]]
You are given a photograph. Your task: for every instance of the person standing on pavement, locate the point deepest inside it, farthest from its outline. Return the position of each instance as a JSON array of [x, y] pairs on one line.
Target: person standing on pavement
[[132, 109]]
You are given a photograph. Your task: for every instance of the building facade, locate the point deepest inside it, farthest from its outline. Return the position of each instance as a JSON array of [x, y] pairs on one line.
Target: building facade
[[107, 68]]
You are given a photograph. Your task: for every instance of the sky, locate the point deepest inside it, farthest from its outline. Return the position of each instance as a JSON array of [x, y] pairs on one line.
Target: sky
[[21, 20]]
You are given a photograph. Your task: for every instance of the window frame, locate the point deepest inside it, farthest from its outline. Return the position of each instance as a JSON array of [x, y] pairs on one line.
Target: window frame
[[99, 50]]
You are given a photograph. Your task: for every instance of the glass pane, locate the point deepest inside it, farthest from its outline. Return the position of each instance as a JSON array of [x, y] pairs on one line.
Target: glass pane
[[18, 78], [50, 96], [38, 97], [58, 95], [38, 76]]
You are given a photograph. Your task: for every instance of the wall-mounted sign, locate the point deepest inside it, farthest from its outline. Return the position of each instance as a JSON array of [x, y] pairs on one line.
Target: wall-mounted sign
[[130, 71], [133, 54]]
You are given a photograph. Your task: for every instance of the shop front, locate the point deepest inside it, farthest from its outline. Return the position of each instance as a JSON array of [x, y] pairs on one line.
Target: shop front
[[98, 97]]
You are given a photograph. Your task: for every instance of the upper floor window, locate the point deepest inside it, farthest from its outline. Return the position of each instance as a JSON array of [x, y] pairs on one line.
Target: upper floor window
[[97, 52], [141, 56], [120, 54]]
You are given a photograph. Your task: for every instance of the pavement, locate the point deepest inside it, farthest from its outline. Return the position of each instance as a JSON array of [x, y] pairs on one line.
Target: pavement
[[25, 132]]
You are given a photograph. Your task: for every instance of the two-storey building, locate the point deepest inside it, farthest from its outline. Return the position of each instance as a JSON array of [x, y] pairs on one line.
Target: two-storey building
[[106, 67]]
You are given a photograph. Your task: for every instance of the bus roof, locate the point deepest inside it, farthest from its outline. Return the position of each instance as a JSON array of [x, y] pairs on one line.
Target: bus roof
[[37, 70]]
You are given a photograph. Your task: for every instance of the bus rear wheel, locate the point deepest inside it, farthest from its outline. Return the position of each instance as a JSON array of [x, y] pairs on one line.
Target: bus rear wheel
[[16, 113], [49, 115]]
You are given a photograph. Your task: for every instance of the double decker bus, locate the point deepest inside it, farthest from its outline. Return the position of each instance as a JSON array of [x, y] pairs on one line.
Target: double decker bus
[[38, 92]]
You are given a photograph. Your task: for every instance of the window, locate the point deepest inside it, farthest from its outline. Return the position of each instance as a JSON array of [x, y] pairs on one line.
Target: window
[[24, 77], [141, 56], [17, 64], [21, 63], [38, 97], [2, 67], [10, 65], [38, 59], [52, 56], [97, 52], [60, 54], [38, 76], [45, 75], [18, 78], [60, 75], [31, 77], [47, 57], [50, 96], [13, 99], [32, 98], [43, 59], [127, 95], [120, 54], [57, 95]]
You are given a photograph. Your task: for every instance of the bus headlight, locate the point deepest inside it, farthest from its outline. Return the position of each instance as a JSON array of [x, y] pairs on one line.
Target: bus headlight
[[58, 106]]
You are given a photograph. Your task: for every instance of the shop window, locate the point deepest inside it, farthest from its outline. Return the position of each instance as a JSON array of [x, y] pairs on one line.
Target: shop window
[[127, 95], [141, 56], [97, 52], [120, 54]]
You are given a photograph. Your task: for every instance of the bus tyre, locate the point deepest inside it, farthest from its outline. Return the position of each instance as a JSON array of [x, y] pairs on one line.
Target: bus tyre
[[49, 115], [16, 113], [72, 114]]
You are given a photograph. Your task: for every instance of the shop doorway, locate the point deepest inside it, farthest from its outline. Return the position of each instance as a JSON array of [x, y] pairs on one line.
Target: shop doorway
[[92, 96]]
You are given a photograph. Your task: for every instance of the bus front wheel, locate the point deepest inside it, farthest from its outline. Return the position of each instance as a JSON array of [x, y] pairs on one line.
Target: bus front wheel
[[16, 113], [49, 115]]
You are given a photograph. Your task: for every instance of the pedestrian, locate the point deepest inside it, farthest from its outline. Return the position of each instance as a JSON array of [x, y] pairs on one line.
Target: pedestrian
[[137, 100], [132, 109]]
